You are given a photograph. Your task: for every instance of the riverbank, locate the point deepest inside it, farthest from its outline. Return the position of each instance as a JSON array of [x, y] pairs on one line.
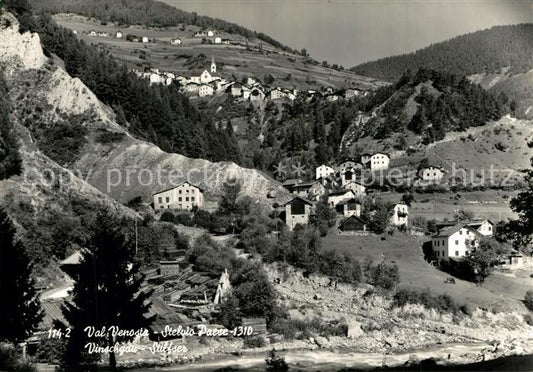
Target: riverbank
[[479, 356]]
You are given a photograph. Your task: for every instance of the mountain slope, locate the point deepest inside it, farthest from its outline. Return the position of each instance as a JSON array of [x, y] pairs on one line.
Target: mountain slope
[[50, 98], [148, 13], [482, 51]]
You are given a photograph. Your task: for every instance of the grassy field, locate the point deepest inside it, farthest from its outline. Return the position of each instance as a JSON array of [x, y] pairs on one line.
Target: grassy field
[[491, 204], [232, 60], [497, 292]]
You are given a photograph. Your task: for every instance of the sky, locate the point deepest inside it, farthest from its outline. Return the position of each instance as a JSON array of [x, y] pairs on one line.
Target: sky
[[350, 32]]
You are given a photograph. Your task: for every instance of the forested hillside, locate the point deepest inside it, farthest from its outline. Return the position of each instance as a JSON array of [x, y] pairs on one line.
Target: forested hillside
[[477, 52], [158, 114], [439, 103], [146, 12]]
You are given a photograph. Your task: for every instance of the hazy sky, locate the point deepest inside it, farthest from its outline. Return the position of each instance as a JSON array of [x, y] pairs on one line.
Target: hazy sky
[[353, 31]]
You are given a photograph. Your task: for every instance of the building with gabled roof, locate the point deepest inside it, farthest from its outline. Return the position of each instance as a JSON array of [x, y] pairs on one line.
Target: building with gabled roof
[[454, 241], [297, 211], [352, 223], [183, 196], [349, 207]]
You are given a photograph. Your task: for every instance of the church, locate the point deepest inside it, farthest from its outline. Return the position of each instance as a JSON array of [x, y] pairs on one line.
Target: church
[[206, 76]]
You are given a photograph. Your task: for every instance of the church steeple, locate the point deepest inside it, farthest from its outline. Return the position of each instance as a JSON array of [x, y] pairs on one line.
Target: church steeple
[[213, 64]]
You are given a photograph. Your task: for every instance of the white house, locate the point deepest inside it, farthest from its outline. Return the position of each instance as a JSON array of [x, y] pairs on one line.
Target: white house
[[349, 175], [454, 241], [205, 90], [345, 165], [176, 41], [92, 33], [236, 90], [184, 196], [431, 174], [218, 40], [297, 211], [376, 161], [210, 33], [206, 77], [276, 93], [356, 187], [484, 227], [245, 92], [324, 171], [119, 34], [145, 39], [155, 78], [400, 216], [336, 197]]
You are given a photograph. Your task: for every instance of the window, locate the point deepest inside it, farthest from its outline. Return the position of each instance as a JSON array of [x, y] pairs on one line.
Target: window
[[457, 242], [168, 199], [179, 192], [187, 198], [457, 253], [160, 199], [179, 199], [168, 206], [489, 228], [461, 232], [443, 254], [192, 198]]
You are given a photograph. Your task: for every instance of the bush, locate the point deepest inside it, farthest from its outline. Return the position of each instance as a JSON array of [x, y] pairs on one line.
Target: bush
[[254, 341], [442, 303], [167, 216], [528, 300]]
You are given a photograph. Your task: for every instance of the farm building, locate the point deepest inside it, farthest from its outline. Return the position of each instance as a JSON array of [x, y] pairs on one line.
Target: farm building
[[376, 161], [297, 211], [309, 190], [176, 41], [352, 223], [205, 90], [184, 196], [119, 34], [350, 207]]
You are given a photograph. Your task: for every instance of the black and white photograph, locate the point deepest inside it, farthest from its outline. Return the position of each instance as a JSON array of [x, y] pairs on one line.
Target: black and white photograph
[[266, 185]]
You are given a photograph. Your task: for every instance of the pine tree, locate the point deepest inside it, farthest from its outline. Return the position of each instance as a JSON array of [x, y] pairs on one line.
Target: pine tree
[[20, 309], [106, 291]]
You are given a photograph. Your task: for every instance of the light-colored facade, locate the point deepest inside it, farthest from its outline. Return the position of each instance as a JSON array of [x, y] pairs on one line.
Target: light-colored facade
[[431, 174], [324, 171], [356, 187], [184, 196], [400, 216], [339, 196], [205, 90], [484, 227], [176, 41], [454, 241], [379, 161], [349, 208]]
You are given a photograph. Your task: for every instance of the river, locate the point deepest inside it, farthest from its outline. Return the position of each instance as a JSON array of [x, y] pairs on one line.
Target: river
[[336, 360]]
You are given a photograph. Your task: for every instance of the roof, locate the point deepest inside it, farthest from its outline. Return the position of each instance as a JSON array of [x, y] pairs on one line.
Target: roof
[[450, 230], [302, 199], [340, 192], [181, 184], [359, 219], [306, 184], [73, 259], [51, 313], [352, 200], [357, 183]]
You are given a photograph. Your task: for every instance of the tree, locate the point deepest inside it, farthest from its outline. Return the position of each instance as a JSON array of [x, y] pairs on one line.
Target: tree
[[325, 215], [20, 308], [483, 258], [106, 291], [10, 162], [379, 216], [463, 215], [520, 231], [230, 316], [230, 192]]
